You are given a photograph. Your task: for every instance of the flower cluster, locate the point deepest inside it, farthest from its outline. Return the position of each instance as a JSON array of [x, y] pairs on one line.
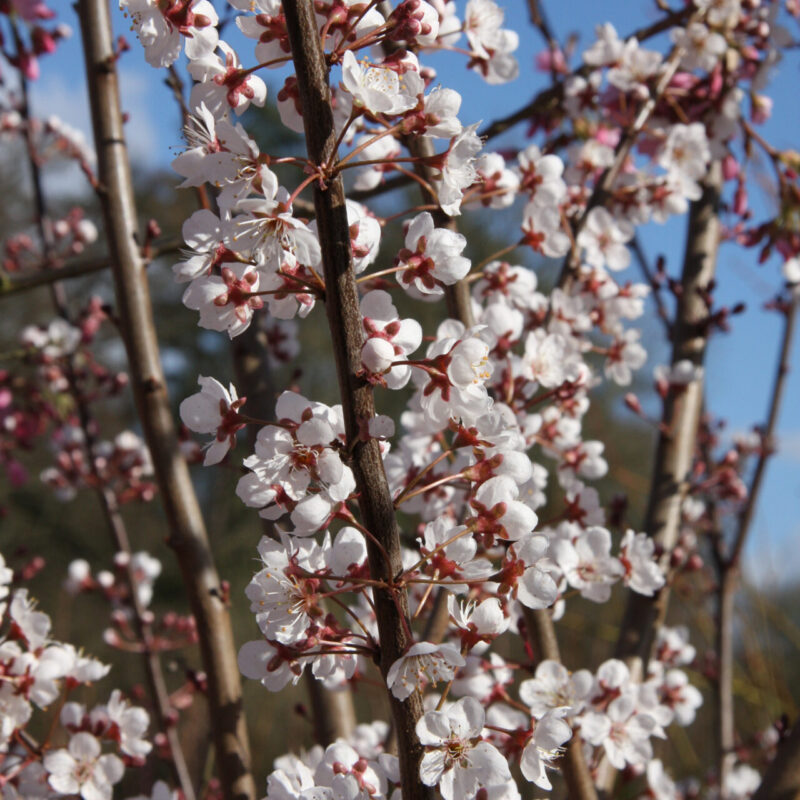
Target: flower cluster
[[491, 481], [38, 671]]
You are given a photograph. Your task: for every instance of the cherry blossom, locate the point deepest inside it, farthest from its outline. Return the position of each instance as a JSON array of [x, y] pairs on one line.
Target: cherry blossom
[[288, 458], [223, 84], [424, 663], [457, 760], [81, 769], [214, 409], [379, 89], [431, 257], [160, 27], [554, 688], [549, 734], [388, 339]]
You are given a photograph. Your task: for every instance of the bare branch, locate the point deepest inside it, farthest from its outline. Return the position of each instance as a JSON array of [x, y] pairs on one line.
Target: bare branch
[[726, 721], [188, 535], [45, 276], [768, 432], [661, 308]]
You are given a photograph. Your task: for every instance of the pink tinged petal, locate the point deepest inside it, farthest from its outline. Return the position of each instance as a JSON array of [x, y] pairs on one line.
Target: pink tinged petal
[[254, 658], [377, 305], [310, 513], [491, 764], [95, 790], [421, 225], [200, 413], [467, 717], [315, 431], [63, 783], [291, 405], [377, 355], [60, 764], [595, 728]]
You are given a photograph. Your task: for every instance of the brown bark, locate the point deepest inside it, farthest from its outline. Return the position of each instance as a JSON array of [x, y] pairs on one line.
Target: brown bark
[[188, 536], [681, 415], [46, 275], [726, 722], [344, 320]]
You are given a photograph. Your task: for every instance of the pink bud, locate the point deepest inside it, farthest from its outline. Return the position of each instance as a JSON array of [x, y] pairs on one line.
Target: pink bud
[[730, 167]]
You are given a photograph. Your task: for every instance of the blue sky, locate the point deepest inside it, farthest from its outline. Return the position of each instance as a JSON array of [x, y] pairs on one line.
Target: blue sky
[[740, 364]]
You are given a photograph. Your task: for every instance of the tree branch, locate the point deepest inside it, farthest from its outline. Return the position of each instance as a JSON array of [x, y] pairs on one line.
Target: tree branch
[[344, 320], [729, 565], [45, 276], [188, 535], [661, 308], [680, 418]]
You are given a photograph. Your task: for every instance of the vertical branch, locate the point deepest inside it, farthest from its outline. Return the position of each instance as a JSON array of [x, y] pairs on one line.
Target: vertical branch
[[681, 415], [729, 564], [344, 320], [188, 536], [542, 636], [726, 721], [768, 432]]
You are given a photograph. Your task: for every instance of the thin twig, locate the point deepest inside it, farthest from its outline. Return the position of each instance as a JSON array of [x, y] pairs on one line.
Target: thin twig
[[45, 275], [661, 308]]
